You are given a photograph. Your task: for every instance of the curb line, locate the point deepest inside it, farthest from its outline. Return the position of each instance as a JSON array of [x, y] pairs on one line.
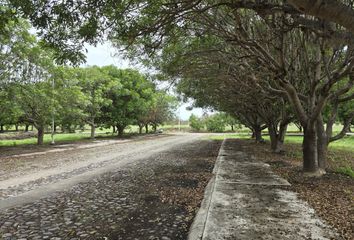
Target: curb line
[[196, 232]]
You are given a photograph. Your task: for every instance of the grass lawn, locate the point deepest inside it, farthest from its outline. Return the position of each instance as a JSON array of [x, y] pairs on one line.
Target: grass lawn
[[61, 137], [346, 143]]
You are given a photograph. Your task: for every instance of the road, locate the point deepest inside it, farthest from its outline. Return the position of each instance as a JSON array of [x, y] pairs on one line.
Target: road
[[34, 176], [142, 189]]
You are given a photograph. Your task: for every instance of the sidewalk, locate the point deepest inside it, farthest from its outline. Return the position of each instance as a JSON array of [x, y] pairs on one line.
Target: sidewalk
[[245, 201]]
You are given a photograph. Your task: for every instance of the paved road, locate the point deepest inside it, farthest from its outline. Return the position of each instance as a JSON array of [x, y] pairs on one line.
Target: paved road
[[34, 176]]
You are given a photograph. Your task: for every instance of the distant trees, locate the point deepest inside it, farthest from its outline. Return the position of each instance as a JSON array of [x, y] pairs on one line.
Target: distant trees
[[213, 123], [34, 91]]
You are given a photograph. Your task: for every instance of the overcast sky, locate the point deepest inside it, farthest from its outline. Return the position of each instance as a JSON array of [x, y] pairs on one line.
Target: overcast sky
[[105, 55]]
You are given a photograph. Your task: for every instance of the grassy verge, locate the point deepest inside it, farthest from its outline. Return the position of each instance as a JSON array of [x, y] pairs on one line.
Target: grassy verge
[[62, 137], [346, 143]]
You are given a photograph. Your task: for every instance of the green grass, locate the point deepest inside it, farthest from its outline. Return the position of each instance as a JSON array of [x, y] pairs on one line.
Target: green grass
[[62, 137], [346, 171], [232, 135], [346, 143]]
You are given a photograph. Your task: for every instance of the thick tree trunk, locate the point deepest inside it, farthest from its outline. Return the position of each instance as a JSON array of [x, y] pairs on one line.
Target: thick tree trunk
[[114, 129], [40, 135], [26, 127], [273, 135], [146, 128], [309, 150], [258, 134], [120, 130], [16, 127], [1, 128]]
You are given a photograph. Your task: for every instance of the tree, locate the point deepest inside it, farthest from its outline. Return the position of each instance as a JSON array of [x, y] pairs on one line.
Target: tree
[[37, 102], [162, 109], [95, 84], [128, 100], [215, 123], [72, 102], [10, 112], [195, 123], [231, 121], [306, 61]]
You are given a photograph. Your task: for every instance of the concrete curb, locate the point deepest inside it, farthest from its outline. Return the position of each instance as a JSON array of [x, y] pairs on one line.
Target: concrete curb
[[196, 231]]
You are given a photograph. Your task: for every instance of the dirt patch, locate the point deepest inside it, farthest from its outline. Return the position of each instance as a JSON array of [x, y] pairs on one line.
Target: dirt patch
[[332, 195]]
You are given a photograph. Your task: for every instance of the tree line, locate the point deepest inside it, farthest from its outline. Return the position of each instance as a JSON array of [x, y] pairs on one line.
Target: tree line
[[35, 91], [267, 62]]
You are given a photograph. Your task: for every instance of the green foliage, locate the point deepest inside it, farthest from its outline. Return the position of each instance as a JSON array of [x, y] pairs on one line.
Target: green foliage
[[347, 171], [195, 123], [216, 123]]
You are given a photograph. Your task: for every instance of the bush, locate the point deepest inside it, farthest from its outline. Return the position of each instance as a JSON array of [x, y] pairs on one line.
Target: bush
[[216, 123], [195, 123]]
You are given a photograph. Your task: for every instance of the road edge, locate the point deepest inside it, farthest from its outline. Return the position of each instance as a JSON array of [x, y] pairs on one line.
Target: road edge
[[197, 228]]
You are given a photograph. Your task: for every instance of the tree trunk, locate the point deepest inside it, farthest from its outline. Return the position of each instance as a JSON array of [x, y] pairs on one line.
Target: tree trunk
[[120, 130], [40, 135], [154, 127], [258, 134], [146, 128], [273, 135], [141, 129], [277, 137], [26, 127], [281, 137], [16, 127], [232, 127], [309, 150], [114, 129], [322, 144], [93, 131], [1, 128]]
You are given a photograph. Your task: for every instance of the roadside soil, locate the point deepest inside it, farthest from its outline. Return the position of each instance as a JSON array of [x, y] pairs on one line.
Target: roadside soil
[[332, 195], [153, 198]]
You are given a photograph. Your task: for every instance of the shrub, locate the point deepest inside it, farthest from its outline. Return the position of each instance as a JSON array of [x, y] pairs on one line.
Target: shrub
[[195, 123], [216, 123]]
